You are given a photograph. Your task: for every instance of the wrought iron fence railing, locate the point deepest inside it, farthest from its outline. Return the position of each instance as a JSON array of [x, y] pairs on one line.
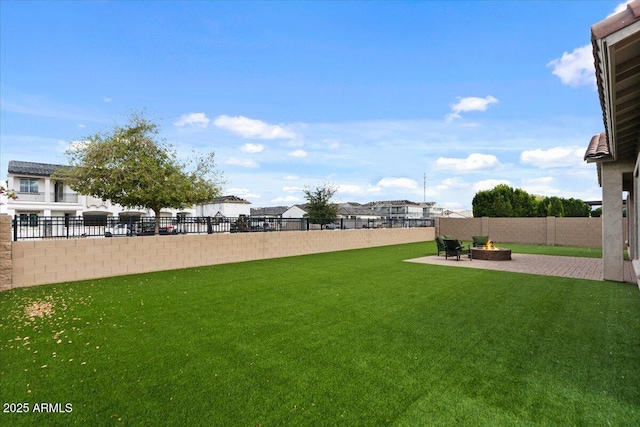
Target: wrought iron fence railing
[[31, 226]]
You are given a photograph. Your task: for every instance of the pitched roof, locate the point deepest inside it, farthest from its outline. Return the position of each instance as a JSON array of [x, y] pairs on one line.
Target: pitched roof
[[31, 168], [230, 199], [393, 202], [273, 210], [616, 53], [357, 211]]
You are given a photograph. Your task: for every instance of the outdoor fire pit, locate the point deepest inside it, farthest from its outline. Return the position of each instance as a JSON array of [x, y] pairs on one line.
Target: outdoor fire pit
[[490, 253]]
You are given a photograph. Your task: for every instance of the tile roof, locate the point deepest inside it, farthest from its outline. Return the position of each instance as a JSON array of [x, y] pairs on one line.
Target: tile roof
[[598, 148], [617, 22], [616, 53], [31, 168]]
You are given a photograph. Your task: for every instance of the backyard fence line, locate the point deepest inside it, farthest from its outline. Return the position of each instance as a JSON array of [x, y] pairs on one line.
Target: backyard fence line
[[26, 227], [552, 231]]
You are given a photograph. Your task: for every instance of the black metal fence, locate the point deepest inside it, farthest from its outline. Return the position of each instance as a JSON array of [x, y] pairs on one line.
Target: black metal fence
[[32, 226]]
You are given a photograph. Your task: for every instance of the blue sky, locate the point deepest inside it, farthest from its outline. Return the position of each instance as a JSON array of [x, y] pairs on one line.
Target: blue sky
[[375, 98]]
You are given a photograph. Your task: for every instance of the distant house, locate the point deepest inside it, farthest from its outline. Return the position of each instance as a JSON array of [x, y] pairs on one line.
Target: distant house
[[397, 209], [616, 50], [432, 210], [224, 207], [295, 211], [357, 211], [40, 195], [269, 212], [457, 213]]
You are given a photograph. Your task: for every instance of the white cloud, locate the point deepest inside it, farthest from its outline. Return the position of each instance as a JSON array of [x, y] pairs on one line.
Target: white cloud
[[474, 163], [250, 128], [291, 189], [540, 186], [246, 163], [298, 153], [332, 144], [405, 183], [287, 200], [244, 193], [252, 148], [357, 190], [350, 189], [489, 184], [291, 178], [470, 103], [451, 184], [81, 126], [553, 157], [107, 99], [193, 119], [575, 68]]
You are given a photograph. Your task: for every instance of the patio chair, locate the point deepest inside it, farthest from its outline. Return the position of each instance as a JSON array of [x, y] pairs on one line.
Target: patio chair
[[480, 241], [440, 243], [453, 248]]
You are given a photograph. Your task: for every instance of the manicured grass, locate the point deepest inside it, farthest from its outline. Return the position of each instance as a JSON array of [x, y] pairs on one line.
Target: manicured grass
[[354, 338]]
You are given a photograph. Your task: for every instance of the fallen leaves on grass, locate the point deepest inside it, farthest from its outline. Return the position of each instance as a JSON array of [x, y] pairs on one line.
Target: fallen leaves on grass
[[38, 309]]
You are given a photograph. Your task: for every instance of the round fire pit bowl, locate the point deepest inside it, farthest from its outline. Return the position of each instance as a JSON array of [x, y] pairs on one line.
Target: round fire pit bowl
[[498, 254]]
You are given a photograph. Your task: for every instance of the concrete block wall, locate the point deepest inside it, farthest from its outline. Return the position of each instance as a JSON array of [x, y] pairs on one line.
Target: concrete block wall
[[62, 260], [531, 231], [581, 232], [5, 252], [459, 229]]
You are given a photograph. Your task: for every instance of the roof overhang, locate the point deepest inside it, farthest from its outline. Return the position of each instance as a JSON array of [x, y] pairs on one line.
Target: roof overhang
[[616, 51]]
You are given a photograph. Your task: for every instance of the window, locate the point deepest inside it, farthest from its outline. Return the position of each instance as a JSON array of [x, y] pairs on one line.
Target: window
[[28, 185], [28, 220]]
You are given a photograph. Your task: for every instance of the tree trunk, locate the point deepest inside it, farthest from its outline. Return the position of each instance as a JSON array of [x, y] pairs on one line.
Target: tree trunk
[[157, 225]]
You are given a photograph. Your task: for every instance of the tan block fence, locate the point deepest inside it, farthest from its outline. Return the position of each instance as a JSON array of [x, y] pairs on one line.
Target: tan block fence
[[5, 252], [581, 232], [35, 262]]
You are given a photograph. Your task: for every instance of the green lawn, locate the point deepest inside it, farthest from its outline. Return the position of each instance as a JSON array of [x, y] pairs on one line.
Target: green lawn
[[354, 338]]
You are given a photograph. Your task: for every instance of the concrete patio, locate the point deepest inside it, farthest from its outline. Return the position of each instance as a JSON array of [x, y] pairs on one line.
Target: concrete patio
[[546, 265]]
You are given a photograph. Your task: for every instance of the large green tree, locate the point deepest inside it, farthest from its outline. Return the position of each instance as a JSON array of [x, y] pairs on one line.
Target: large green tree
[[320, 208], [504, 201], [575, 208], [131, 167], [551, 206]]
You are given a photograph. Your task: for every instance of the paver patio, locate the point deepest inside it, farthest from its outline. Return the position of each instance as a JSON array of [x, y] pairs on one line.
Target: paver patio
[[546, 265]]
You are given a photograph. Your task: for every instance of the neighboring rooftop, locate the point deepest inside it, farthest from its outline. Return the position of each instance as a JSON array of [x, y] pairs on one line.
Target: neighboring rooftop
[[230, 199], [349, 210], [31, 168], [269, 211], [393, 203]]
